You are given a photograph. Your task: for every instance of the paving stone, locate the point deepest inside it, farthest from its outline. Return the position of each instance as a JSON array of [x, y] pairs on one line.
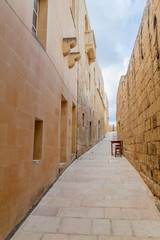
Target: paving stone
[[101, 227], [46, 211], [75, 226], [41, 224], [113, 213], [81, 237], [27, 236], [55, 237], [121, 228], [145, 228], [149, 214], [76, 201], [95, 212], [56, 202], [73, 212], [102, 204], [124, 238], [129, 213]]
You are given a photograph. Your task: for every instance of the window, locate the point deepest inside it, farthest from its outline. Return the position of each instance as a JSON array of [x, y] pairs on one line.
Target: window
[[83, 119], [35, 16], [99, 129], [73, 128], [90, 133], [86, 23], [39, 24], [89, 82], [73, 11], [73, 8], [38, 136], [64, 130], [94, 76]]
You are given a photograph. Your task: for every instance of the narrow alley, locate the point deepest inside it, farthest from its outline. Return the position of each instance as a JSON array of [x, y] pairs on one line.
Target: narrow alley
[[98, 197], [73, 73]]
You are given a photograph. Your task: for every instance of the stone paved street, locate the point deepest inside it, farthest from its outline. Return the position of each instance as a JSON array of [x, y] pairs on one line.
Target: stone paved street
[[99, 197]]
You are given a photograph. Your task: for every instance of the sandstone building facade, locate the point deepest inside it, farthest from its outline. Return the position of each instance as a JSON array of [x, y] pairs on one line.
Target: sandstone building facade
[[92, 102], [38, 102], [39, 45], [138, 101]]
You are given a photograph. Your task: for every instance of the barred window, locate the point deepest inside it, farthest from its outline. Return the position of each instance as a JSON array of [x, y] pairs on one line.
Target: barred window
[[35, 17]]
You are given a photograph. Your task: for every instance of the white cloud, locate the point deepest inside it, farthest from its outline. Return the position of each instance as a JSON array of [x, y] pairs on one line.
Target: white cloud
[[116, 24], [111, 75]]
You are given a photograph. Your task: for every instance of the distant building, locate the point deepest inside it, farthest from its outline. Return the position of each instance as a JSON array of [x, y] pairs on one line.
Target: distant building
[[112, 128], [92, 103]]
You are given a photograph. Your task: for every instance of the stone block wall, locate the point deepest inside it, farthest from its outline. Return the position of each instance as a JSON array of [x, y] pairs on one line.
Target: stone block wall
[[92, 114], [33, 79], [92, 103], [138, 101], [38, 100]]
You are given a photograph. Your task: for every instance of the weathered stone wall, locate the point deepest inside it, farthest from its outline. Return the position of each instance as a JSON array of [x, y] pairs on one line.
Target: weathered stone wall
[[138, 101], [33, 80], [92, 104], [38, 100]]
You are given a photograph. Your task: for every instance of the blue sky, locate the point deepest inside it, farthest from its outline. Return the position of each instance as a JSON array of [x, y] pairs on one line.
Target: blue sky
[[116, 24]]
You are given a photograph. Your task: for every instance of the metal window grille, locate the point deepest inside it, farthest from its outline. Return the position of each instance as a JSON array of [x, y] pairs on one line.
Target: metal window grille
[[35, 17]]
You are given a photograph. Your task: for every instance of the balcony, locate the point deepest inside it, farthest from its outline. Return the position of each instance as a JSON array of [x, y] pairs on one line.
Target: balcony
[[90, 46]]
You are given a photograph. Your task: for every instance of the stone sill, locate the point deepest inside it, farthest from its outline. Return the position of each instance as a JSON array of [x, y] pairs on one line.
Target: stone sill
[[36, 161]]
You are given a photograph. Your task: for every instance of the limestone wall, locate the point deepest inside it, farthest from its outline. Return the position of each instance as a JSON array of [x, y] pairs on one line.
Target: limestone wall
[[36, 86], [38, 99], [92, 103], [138, 100]]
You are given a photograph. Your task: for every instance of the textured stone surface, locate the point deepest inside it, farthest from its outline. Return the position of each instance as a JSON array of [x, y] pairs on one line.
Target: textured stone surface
[[32, 80], [138, 101], [41, 224], [92, 102], [121, 228], [75, 225], [113, 213], [55, 237], [97, 182], [28, 235], [146, 228], [36, 83], [101, 227]]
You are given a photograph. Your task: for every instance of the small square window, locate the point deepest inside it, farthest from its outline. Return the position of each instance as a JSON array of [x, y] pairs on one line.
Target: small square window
[[38, 137]]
